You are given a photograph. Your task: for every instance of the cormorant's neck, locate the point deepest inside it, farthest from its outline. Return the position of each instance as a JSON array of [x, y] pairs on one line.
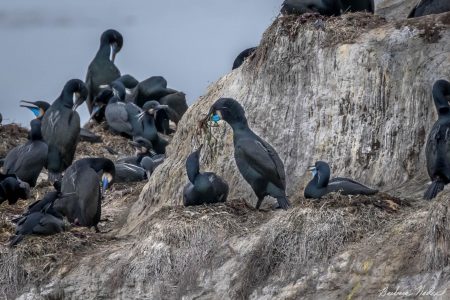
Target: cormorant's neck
[[441, 93], [104, 52], [67, 98], [202, 184], [36, 135], [239, 126]]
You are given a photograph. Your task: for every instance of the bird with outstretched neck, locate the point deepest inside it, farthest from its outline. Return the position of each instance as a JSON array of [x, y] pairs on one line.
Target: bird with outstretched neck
[[86, 181], [257, 161], [27, 161], [61, 128], [102, 70], [437, 150], [204, 187], [321, 184]]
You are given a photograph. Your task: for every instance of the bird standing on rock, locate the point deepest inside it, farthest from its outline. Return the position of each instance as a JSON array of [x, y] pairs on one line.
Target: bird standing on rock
[[102, 70], [61, 128], [321, 184], [26, 161], [437, 150], [257, 161]]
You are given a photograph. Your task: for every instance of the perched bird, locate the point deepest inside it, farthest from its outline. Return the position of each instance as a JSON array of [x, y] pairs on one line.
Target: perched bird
[[126, 172], [323, 7], [85, 180], [149, 164], [40, 223], [176, 106], [429, 7], [257, 161], [40, 107], [143, 148], [126, 82], [202, 187], [13, 189], [153, 88], [321, 184], [437, 150], [26, 161], [148, 128], [242, 56], [1, 119], [37, 107], [120, 116], [102, 69], [45, 204], [61, 127]]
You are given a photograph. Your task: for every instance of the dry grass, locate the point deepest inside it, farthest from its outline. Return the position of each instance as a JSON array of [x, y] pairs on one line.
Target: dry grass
[[308, 236], [36, 258]]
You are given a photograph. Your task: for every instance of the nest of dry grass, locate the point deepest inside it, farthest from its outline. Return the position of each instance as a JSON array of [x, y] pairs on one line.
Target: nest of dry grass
[[11, 135]]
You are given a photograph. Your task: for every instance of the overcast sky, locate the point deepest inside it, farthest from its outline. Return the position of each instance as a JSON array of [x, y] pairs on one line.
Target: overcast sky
[[191, 43]]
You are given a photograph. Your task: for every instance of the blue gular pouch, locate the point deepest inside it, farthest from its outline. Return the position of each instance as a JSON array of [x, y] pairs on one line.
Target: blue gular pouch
[[215, 118], [36, 111]]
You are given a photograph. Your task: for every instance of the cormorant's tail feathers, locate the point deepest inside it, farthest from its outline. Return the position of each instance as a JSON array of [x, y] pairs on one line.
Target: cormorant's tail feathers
[[434, 189], [15, 240]]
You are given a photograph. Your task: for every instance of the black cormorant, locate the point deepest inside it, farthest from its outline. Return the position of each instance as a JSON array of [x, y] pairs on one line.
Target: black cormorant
[[26, 161], [13, 189], [61, 127], [86, 180], [153, 88], [321, 184], [242, 56], [429, 7], [257, 161], [204, 187], [148, 128], [438, 145], [102, 69]]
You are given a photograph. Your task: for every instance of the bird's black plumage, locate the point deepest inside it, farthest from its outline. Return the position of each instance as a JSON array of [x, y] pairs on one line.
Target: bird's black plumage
[[143, 148], [177, 105], [257, 161], [358, 5], [82, 181], [437, 150], [429, 7], [102, 70], [242, 56], [38, 108], [26, 161], [147, 128], [149, 164], [321, 184], [13, 189], [153, 88], [61, 127], [40, 223], [324, 7], [204, 187], [126, 172]]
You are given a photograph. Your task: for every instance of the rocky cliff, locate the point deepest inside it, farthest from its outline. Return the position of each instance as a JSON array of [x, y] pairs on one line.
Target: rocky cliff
[[354, 91]]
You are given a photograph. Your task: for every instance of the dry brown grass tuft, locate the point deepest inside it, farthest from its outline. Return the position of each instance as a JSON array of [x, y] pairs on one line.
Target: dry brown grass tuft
[[309, 235]]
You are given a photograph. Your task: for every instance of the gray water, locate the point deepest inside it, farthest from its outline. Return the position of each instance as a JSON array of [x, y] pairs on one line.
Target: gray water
[[191, 43]]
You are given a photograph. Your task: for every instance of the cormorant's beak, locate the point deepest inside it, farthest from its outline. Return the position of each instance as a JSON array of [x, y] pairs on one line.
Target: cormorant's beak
[[311, 168], [103, 86], [106, 179], [128, 91], [37, 111], [77, 100], [95, 109], [113, 51]]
